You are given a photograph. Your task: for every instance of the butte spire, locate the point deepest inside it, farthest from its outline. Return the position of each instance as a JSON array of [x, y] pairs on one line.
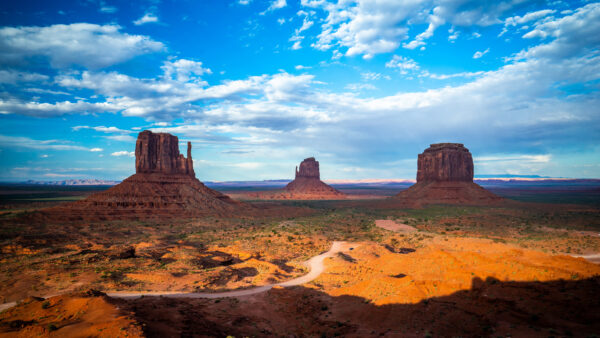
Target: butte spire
[[164, 185]]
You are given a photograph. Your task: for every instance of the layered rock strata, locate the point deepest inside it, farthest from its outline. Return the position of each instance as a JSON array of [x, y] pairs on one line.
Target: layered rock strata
[[445, 176], [164, 186]]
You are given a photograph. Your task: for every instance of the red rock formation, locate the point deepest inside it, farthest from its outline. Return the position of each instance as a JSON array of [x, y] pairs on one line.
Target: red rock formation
[[309, 168], [306, 186], [445, 176], [164, 186], [159, 153], [445, 162]]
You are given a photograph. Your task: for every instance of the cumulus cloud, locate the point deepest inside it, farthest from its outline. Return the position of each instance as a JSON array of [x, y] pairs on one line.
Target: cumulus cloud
[[525, 104], [97, 46], [368, 28], [184, 70], [96, 149], [519, 20], [403, 64], [571, 35], [277, 4]]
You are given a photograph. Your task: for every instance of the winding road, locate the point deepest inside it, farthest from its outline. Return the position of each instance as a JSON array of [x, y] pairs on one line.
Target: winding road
[[315, 265]]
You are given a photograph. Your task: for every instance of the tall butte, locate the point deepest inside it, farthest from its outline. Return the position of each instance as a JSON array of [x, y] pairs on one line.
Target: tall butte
[[308, 185], [164, 185], [445, 176]]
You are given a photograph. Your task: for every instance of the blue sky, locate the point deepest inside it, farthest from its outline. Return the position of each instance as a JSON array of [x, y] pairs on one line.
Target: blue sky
[[257, 86]]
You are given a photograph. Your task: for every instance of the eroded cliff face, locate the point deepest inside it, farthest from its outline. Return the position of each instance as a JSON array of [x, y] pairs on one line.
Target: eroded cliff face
[[445, 162], [309, 168], [445, 176], [159, 153]]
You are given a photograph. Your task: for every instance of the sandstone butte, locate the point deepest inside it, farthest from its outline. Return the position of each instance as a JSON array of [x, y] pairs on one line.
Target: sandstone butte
[[307, 184], [164, 185], [445, 176]]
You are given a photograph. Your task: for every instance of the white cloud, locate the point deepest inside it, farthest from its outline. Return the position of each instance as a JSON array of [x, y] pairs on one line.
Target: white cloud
[[511, 158], [519, 20], [147, 18], [97, 46], [121, 138], [572, 35], [372, 76], [44, 109], [45, 91], [13, 77], [453, 34], [297, 38], [451, 76], [16, 142], [184, 70], [479, 54], [301, 67], [356, 87], [123, 153], [96, 149], [281, 21], [277, 4], [403, 64], [244, 2], [108, 9], [101, 129], [368, 28]]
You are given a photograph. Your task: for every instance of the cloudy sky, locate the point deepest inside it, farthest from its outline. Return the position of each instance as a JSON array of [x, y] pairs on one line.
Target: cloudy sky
[[258, 85]]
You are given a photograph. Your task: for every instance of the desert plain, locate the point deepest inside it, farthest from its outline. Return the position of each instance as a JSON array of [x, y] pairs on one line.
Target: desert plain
[[513, 260]]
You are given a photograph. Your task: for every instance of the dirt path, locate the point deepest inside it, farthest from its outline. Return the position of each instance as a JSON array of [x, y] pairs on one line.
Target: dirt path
[[315, 264]]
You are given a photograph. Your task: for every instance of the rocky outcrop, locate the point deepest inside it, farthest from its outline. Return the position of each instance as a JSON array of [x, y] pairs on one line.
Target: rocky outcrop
[[309, 168], [445, 176], [445, 162], [159, 153], [307, 185], [164, 186]]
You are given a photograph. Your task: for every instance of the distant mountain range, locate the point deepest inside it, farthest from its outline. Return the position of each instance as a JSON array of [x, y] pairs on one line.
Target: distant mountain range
[[484, 180], [73, 182]]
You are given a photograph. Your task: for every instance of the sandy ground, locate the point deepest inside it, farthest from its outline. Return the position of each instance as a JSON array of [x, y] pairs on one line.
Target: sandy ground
[[393, 226], [315, 265]]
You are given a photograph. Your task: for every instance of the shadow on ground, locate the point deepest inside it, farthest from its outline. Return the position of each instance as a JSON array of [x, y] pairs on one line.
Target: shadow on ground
[[490, 308]]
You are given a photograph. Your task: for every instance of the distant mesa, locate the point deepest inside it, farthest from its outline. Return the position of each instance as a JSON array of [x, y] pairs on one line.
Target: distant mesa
[[164, 185], [308, 185], [445, 176]]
